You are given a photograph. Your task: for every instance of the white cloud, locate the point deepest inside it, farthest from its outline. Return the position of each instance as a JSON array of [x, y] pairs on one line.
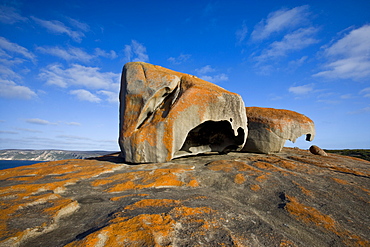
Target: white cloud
[[85, 95], [78, 24], [73, 124], [294, 41], [9, 89], [73, 137], [112, 97], [72, 53], [78, 75], [205, 70], [301, 90], [10, 15], [280, 20], [59, 28], [365, 92], [8, 132], [135, 52], [215, 78], [241, 33], [180, 59], [15, 48], [360, 111], [29, 130], [101, 53], [39, 121], [349, 57]]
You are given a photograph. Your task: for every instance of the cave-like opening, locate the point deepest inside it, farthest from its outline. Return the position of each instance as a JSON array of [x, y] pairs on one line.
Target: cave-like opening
[[213, 136]]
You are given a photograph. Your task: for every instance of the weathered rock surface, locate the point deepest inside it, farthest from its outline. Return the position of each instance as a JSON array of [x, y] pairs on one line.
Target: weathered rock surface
[[166, 114], [269, 128], [318, 151], [292, 198]]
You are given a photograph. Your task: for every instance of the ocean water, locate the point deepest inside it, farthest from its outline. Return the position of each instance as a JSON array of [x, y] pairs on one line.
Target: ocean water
[[5, 164]]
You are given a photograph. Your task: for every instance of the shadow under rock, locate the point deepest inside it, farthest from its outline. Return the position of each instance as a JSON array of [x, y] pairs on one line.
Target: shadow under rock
[[114, 158]]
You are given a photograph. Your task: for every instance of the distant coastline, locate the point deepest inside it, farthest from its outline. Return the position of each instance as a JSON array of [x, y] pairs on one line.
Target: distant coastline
[[48, 155], [6, 164]]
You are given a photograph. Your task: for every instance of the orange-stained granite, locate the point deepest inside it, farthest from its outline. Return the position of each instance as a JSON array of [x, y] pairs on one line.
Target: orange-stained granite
[[237, 199], [276, 119]]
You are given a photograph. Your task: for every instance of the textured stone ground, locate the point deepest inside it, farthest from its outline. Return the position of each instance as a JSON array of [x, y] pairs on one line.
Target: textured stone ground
[[289, 199]]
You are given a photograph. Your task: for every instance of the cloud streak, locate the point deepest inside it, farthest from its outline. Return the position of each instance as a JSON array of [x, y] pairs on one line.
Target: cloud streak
[[39, 121], [135, 52], [297, 40], [78, 75], [349, 57], [59, 27], [85, 95], [10, 15], [280, 20], [9, 89]]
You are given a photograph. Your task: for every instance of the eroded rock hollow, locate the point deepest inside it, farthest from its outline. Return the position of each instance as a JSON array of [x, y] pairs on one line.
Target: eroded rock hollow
[[166, 114], [269, 128]]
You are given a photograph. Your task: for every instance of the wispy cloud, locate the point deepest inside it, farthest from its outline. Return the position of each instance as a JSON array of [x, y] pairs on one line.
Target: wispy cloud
[[85, 95], [135, 52], [301, 90], [280, 20], [39, 121], [360, 111], [349, 58], [78, 75], [294, 41], [29, 130], [15, 48], [101, 53], [180, 59], [59, 27], [112, 97], [241, 33], [9, 89], [78, 24], [205, 70], [8, 132], [69, 54], [10, 15], [73, 124], [365, 92], [207, 73]]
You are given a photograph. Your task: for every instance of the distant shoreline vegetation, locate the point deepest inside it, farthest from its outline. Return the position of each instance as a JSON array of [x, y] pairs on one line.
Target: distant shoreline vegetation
[[356, 153]]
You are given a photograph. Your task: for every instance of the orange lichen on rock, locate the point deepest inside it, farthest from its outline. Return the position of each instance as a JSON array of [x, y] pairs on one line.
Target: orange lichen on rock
[[228, 166], [160, 107], [239, 178], [269, 128], [309, 214], [141, 230], [153, 203], [42, 184], [136, 180], [255, 187]]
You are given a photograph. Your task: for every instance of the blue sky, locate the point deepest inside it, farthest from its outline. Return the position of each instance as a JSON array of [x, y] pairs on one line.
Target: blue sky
[[60, 63]]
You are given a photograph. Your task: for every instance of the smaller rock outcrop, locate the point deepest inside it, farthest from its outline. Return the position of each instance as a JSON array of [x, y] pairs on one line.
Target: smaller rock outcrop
[[317, 151], [269, 128], [166, 114]]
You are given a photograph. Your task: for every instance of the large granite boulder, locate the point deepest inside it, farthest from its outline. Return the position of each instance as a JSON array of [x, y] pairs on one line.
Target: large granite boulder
[[269, 128], [166, 114]]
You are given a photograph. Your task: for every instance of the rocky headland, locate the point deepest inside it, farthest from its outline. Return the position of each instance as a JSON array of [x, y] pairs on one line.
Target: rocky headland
[[47, 155]]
